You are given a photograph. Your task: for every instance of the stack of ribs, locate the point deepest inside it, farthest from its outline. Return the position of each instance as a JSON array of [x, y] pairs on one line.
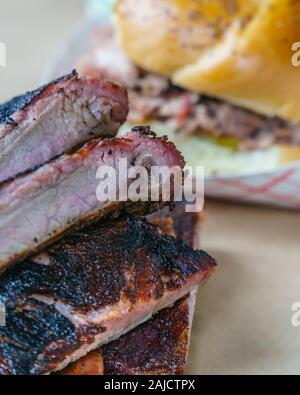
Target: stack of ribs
[[89, 287]]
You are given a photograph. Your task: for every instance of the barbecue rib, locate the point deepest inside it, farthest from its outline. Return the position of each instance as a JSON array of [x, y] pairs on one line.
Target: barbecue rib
[[55, 118], [156, 347], [91, 289], [39, 207], [160, 345]]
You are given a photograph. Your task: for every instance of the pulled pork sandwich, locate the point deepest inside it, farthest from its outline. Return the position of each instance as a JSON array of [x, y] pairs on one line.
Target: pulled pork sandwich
[[217, 75]]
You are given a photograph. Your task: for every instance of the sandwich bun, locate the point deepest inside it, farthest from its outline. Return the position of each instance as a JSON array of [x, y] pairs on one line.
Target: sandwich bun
[[237, 50]]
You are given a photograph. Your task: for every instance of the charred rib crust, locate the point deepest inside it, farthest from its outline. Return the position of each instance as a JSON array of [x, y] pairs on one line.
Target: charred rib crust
[[129, 259], [146, 130], [83, 272], [28, 333], [20, 102], [160, 345], [175, 221], [154, 347]]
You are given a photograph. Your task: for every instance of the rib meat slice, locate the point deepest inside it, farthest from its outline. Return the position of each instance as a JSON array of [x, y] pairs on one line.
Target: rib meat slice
[[156, 347], [55, 118], [91, 289], [39, 207], [160, 345]]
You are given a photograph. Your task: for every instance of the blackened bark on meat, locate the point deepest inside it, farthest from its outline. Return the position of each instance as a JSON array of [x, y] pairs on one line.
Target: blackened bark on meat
[[20, 102], [146, 130], [160, 345], [127, 266], [91, 253], [154, 347], [177, 222]]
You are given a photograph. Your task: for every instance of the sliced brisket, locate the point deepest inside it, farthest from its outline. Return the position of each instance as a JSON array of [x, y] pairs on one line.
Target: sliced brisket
[[90, 289], [39, 207], [55, 118]]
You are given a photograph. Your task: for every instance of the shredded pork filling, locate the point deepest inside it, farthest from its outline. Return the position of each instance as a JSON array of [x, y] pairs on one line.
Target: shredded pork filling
[[154, 97]]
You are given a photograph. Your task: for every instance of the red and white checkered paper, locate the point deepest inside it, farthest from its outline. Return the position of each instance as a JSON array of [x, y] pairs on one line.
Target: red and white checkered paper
[[280, 187]]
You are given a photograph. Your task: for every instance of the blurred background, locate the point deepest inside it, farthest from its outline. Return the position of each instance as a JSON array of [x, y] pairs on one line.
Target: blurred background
[[32, 30]]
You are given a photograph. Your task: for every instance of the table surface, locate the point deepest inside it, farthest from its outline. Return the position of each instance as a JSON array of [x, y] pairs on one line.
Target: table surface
[[243, 317]]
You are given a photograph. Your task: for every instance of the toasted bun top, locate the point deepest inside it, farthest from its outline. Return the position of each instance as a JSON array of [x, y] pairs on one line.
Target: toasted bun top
[[238, 50]]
